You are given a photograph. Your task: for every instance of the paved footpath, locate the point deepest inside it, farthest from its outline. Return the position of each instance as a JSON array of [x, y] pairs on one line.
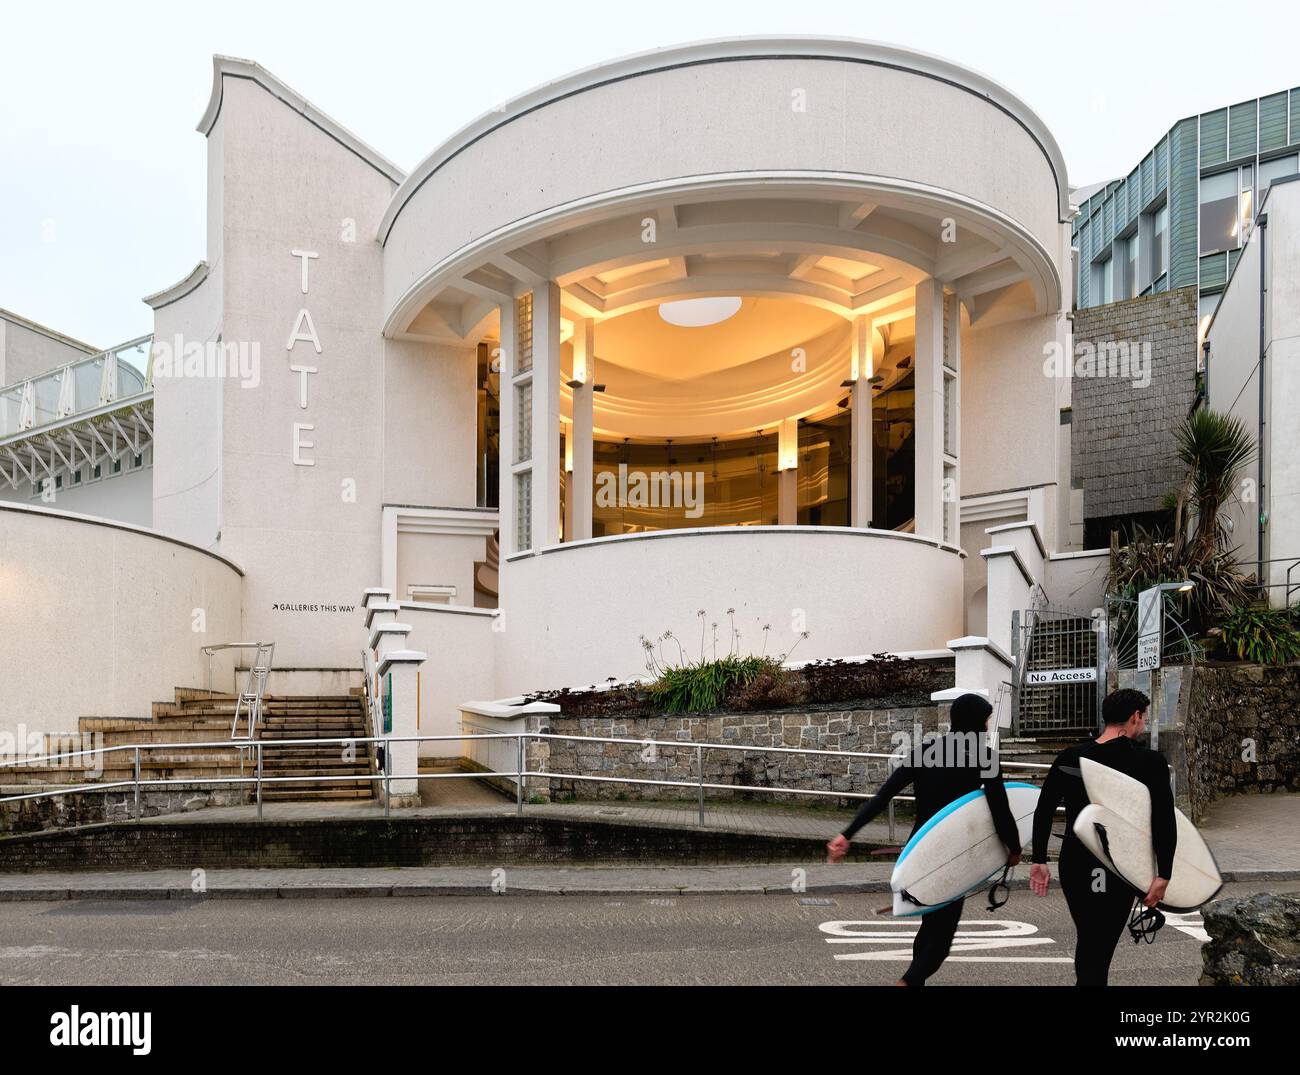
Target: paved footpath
[[1255, 838]]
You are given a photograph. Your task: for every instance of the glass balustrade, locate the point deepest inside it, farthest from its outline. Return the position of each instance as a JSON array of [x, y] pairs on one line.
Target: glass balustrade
[[52, 398]]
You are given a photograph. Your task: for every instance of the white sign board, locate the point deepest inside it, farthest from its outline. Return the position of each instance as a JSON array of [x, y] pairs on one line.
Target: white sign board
[[1150, 629], [1060, 675]]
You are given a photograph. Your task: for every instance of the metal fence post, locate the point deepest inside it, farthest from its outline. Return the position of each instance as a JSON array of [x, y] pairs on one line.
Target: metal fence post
[[388, 774], [259, 781], [699, 762], [519, 774], [137, 783], [1016, 642], [891, 820]]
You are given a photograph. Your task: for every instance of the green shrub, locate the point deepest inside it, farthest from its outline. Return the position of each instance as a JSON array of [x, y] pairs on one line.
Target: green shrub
[[702, 687], [1262, 635]]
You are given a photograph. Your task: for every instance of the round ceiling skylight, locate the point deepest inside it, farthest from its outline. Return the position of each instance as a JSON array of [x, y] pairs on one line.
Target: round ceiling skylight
[[699, 313]]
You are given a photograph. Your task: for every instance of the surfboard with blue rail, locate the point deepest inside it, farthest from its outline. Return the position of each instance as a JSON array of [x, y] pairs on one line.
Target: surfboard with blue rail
[[958, 851]]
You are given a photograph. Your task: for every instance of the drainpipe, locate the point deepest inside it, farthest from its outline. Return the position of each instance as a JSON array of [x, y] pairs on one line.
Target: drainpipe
[[1261, 226]]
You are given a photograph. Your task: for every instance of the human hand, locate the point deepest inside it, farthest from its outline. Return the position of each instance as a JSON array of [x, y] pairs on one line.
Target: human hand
[[837, 849]]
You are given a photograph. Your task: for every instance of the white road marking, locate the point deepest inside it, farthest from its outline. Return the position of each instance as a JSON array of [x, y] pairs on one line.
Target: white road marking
[[1003, 934], [1190, 923]]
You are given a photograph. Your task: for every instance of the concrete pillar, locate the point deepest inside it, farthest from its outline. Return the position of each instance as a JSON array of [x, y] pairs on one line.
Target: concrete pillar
[[787, 467], [546, 415], [927, 362], [860, 433], [584, 377], [399, 677]]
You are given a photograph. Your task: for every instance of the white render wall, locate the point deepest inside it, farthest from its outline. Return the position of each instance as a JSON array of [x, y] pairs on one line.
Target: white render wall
[[27, 351], [310, 535], [125, 497], [97, 619], [1234, 382], [573, 614], [187, 423]]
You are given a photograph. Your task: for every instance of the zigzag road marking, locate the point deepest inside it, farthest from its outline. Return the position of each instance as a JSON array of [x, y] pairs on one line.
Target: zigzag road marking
[[1000, 935]]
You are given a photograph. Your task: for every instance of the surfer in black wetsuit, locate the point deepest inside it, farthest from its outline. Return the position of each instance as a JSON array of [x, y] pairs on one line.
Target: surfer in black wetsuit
[[945, 770], [1100, 901]]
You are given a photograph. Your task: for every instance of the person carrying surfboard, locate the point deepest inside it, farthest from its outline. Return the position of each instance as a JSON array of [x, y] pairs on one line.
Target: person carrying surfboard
[[1098, 899], [941, 772]]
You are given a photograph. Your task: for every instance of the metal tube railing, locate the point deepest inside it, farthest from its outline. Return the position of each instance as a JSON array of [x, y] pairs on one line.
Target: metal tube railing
[[260, 779]]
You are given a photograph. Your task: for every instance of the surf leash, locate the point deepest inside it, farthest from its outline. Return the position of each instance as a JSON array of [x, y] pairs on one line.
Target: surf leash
[[1144, 923], [1002, 884]]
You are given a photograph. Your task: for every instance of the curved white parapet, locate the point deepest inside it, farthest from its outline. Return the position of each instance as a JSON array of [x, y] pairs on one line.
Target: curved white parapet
[[839, 117], [102, 619], [574, 614]]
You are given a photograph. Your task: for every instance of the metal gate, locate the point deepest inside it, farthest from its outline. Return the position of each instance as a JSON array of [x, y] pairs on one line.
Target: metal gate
[[1064, 650]]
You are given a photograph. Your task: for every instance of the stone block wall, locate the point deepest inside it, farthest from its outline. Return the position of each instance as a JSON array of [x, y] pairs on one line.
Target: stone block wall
[[866, 730], [88, 808], [1122, 436], [1241, 732]]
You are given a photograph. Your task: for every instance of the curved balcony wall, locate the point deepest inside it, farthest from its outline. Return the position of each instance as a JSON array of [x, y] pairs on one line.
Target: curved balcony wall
[[99, 619], [574, 613], [833, 110]]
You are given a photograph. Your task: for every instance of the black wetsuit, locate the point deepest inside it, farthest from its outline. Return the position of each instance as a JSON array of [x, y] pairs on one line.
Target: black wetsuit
[[1098, 899], [935, 787]]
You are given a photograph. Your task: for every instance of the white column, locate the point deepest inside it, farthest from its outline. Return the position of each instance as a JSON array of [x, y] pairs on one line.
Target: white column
[[952, 452], [787, 467], [505, 358], [860, 433], [546, 415], [584, 377], [928, 436]]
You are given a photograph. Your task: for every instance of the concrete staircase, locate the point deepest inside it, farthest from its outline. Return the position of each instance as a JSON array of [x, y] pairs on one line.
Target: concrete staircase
[[197, 716], [314, 718]]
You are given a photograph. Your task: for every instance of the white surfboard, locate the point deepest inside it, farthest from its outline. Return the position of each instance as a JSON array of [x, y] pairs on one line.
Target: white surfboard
[[1116, 828], [957, 851]]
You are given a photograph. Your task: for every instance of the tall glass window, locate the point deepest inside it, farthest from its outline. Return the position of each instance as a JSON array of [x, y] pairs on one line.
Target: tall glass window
[[488, 454], [1159, 242], [1220, 223]]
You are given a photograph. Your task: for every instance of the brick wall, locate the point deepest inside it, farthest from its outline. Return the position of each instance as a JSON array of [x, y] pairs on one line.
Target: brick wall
[[1122, 442]]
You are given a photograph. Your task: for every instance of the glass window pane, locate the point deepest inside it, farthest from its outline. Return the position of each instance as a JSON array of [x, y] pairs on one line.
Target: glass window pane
[[1160, 243], [524, 422], [1220, 220], [524, 511], [1275, 169]]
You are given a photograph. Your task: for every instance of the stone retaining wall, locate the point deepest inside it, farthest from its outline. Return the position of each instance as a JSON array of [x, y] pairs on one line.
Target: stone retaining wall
[[1241, 732], [866, 730], [1253, 941], [87, 808]]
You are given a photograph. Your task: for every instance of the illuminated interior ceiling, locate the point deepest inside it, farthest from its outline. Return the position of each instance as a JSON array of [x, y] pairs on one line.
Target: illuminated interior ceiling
[[803, 261], [847, 253]]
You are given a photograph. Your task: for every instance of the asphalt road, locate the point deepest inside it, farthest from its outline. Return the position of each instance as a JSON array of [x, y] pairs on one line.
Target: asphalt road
[[552, 940]]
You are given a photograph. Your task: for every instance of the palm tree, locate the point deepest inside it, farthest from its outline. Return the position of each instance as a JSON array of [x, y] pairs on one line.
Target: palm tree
[[1214, 447]]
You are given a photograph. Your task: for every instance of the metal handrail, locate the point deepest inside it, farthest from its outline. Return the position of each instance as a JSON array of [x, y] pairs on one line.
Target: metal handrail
[[520, 773], [249, 700], [1289, 586]]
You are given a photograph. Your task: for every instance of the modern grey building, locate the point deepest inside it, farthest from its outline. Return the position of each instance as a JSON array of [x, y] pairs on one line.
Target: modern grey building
[[1183, 214]]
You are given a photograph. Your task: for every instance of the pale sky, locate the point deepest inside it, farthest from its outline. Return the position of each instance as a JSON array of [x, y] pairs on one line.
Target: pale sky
[[102, 172]]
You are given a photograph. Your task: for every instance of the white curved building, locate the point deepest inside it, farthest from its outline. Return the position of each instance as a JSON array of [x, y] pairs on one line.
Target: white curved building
[[754, 324]]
